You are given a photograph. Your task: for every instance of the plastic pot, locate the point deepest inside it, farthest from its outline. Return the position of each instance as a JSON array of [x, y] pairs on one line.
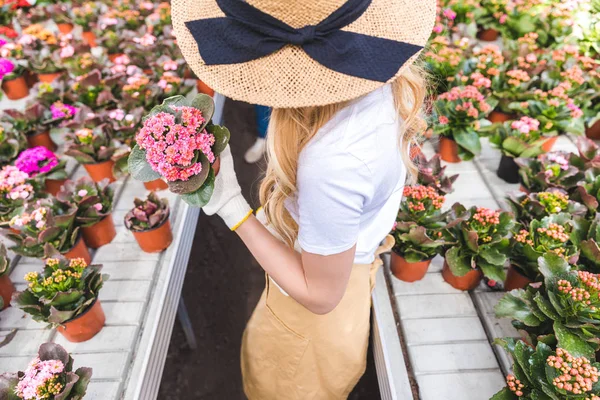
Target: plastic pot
[[508, 170], [408, 272], [499, 116], [593, 132], [156, 185], [113, 57], [101, 170], [549, 144], [89, 37], [6, 290], [41, 139], [488, 35], [467, 282], [85, 326], [101, 233], [156, 239], [515, 280], [15, 89], [217, 166], [79, 250], [449, 150], [204, 88], [49, 78], [53, 185], [65, 28]]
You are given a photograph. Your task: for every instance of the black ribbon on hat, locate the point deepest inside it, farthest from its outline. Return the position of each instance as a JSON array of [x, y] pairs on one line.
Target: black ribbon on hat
[[246, 33]]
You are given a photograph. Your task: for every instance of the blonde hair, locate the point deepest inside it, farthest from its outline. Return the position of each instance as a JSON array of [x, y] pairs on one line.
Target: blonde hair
[[290, 129]]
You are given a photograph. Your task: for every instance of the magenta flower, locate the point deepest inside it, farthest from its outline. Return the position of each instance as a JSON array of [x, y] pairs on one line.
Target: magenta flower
[[62, 111], [6, 67], [37, 160]]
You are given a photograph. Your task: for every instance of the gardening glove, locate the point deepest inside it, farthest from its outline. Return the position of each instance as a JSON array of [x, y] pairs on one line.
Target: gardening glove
[[227, 200]]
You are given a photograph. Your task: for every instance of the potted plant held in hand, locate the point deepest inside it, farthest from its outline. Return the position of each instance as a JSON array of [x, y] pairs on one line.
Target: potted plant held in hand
[[149, 222], [50, 374], [43, 165], [417, 233], [460, 115], [177, 142], [65, 295], [515, 139], [93, 148], [6, 286], [482, 243], [94, 209]]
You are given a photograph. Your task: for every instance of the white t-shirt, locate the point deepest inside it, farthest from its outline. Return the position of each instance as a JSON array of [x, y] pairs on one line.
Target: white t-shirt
[[350, 179]]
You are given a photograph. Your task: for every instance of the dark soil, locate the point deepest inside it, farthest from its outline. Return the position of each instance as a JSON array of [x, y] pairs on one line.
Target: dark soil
[[222, 286]]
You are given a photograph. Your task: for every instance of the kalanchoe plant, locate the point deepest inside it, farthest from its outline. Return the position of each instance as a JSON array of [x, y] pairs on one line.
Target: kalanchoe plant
[[527, 207], [30, 121], [543, 373], [481, 237], [178, 142], [431, 173], [49, 376], [558, 234], [90, 89], [147, 214], [547, 171], [11, 143], [443, 61], [590, 242], [520, 138], [91, 146], [93, 200], [565, 309], [42, 227], [421, 204], [15, 190], [460, 114], [41, 163], [62, 291]]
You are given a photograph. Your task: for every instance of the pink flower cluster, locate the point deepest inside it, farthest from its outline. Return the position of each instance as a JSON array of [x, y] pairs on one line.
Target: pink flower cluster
[[486, 216], [37, 216], [62, 111], [6, 67], [514, 385], [554, 231], [577, 375], [13, 184], [419, 197], [559, 159], [171, 146], [41, 380], [37, 160], [526, 124]]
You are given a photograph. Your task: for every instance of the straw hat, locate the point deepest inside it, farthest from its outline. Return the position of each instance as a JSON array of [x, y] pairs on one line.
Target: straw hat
[[289, 77]]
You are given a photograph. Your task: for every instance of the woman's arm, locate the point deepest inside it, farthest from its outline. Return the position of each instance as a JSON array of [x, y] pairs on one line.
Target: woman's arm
[[317, 282]]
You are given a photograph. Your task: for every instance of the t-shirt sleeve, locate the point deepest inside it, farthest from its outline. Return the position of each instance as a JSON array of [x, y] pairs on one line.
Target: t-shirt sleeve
[[332, 192]]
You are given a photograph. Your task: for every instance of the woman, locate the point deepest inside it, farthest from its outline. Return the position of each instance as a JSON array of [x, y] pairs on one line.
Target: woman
[[346, 101]]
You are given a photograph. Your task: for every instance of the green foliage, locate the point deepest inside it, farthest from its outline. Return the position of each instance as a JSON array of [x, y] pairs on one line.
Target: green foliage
[[11, 144], [527, 207], [91, 146], [92, 200], [550, 170]]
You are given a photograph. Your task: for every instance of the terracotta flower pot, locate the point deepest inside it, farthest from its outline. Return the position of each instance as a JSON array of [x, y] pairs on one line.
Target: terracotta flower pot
[[156, 185], [50, 77], [217, 166], [155, 240], [31, 78], [101, 170], [6, 290], [499, 116], [53, 185], [508, 170], [408, 272], [41, 139], [524, 189], [515, 280], [466, 282], [488, 35], [593, 132], [89, 37], [65, 28], [204, 88], [15, 89], [113, 57], [79, 250], [449, 150], [549, 144], [101, 233], [85, 326]]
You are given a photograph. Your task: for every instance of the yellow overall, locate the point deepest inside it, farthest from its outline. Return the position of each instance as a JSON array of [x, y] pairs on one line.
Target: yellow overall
[[290, 353]]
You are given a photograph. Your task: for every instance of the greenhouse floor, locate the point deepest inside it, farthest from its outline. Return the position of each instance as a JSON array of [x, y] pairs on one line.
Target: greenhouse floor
[[447, 332]]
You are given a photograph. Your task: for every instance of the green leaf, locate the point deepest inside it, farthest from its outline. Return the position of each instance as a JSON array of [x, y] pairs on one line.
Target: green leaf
[[514, 146], [202, 196], [552, 266], [493, 256], [222, 137], [491, 271], [139, 167], [468, 140], [85, 375], [205, 104], [591, 251], [504, 394], [513, 305], [64, 298], [572, 343], [459, 264], [195, 182], [546, 307]]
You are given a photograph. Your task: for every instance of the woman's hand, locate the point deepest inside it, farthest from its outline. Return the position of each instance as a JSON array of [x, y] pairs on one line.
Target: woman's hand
[[227, 200]]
